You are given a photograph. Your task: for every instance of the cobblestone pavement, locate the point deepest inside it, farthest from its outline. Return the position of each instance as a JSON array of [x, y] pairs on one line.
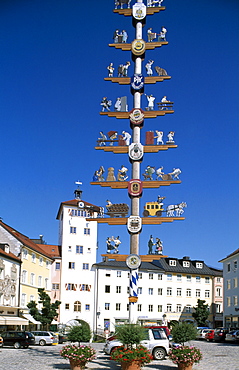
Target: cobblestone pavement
[[216, 356]]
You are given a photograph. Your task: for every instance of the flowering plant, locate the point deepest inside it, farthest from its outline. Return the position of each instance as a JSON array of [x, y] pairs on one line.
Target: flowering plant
[[126, 355], [79, 355], [185, 355]]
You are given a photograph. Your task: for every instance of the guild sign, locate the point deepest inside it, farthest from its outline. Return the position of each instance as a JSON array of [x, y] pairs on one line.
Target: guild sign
[[137, 81], [134, 224], [135, 188], [139, 11], [138, 47], [136, 116], [136, 151]]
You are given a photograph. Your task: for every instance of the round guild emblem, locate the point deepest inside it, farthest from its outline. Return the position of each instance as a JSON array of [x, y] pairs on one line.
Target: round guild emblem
[[136, 116], [136, 151], [135, 188], [133, 261], [138, 47], [139, 11], [134, 224]]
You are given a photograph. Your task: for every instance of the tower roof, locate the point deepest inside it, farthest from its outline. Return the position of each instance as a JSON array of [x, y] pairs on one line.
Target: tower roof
[[75, 203]]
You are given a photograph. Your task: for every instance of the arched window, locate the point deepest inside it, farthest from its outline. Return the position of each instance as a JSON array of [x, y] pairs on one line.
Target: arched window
[[77, 306]]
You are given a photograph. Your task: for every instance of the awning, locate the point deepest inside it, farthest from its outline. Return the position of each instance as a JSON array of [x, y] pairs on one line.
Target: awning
[[13, 320], [30, 318], [54, 322]]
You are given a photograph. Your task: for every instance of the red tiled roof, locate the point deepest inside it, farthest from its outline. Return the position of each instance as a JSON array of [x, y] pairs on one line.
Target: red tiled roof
[[10, 255], [74, 202], [53, 250], [24, 239]]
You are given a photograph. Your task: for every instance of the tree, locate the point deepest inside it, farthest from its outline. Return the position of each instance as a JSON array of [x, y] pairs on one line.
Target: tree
[[201, 312], [130, 334], [183, 332], [48, 311], [80, 333]]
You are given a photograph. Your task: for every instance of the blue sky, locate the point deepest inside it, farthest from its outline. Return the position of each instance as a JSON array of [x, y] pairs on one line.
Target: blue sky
[[54, 55]]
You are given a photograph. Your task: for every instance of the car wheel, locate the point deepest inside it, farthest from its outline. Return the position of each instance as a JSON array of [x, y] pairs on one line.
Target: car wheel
[[159, 353], [42, 342], [17, 345]]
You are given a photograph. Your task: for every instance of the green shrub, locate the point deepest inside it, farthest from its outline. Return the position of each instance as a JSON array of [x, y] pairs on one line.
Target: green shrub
[[130, 334], [81, 333], [183, 332]]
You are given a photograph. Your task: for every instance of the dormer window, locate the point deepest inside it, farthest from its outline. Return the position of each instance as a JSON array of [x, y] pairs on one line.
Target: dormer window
[[199, 265], [172, 262], [186, 264]]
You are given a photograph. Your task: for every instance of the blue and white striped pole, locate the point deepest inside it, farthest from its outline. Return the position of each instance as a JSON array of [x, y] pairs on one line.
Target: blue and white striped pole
[[133, 284]]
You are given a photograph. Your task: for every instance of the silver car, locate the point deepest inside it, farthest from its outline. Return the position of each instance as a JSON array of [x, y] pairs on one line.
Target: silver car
[[44, 337], [156, 342], [232, 336]]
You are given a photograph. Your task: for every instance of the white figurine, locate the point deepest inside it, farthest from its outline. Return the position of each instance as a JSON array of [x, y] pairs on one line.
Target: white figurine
[[125, 69], [126, 137], [122, 173], [171, 137], [125, 36], [151, 100], [159, 173], [177, 207], [117, 244], [151, 35], [118, 105], [164, 100], [152, 3], [175, 173], [162, 35], [102, 139], [148, 67], [159, 137], [110, 70]]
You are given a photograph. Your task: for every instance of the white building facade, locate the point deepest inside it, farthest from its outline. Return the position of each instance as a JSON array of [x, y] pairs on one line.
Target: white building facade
[[78, 242], [231, 289]]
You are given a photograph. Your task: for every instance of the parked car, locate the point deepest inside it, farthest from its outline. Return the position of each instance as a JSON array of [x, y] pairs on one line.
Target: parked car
[[232, 336], [1, 341], [201, 333], [220, 334], [62, 338], [165, 328], [44, 337], [18, 339], [156, 342], [209, 336]]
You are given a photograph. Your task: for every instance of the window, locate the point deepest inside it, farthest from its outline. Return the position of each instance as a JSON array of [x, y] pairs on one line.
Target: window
[[85, 266], [172, 263], [189, 278], [207, 293], [188, 293], [235, 265], [31, 297], [179, 308], [32, 279], [117, 306], [69, 248], [169, 308], [235, 300], [235, 282], [118, 289], [118, 274], [39, 281], [186, 264], [55, 286], [71, 265], [67, 306], [85, 287], [107, 306], [47, 264], [25, 253], [108, 275], [139, 308], [23, 300], [33, 258], [127, 307], [179, 277], [151, 291], [198, 292], [228, 301], [140, 275], [127, 289], [199, 265], [86, 231], [150, 308], [207, 279], [77, 306], [139, 290], [40, 261], [169, 291], [179, 292], [160, 291], [71, 286], [218, 308], [198, 279], [228, 267], [88, 250], [87, 307], [188, 309], [218, 292], [72, 230], [46, 283], [169, 276], [160, 277], [160, 308], [107, 288], [24, 276], [79, 249], [228, 284], [57, 266], [218, 280], [151, 276]]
